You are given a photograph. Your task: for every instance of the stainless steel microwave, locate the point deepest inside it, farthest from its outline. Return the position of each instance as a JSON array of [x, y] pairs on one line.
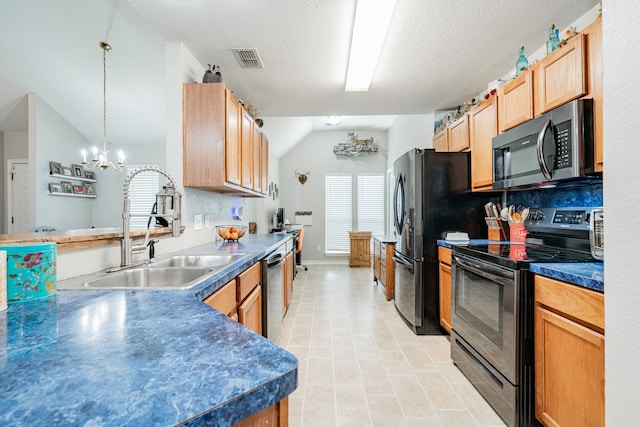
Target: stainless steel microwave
[[555, 148]]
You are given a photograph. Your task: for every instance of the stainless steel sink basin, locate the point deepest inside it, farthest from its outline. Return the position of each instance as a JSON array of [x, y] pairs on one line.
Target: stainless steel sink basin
[[148, 278], [211, 260]]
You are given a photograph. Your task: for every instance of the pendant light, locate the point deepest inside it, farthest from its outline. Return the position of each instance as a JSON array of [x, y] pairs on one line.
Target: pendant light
[[101, 157]]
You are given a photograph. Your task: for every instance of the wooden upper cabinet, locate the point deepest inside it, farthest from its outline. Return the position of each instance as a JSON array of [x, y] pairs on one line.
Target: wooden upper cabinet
[[233, 142], [483, 126], [257, 159], [441, 140], [459, 135], [204, 114], [594, 54], [516, 102], [264, 163], [561, 76], [246, 150], [219, 142]]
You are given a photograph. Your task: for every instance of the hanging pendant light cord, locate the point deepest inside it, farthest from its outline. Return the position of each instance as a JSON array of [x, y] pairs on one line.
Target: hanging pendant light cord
[[105, 47]]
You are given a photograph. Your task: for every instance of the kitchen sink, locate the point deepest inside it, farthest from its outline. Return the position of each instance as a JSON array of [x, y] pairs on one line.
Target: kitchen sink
[[211, 260], [149, 278]]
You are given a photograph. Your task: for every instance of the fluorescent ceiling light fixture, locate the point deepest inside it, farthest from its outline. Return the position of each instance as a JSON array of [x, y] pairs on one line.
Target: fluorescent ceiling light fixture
[[332, 120], [370, 28]]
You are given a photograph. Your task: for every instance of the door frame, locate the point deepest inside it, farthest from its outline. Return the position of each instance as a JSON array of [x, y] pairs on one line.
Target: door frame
[[9, 192]]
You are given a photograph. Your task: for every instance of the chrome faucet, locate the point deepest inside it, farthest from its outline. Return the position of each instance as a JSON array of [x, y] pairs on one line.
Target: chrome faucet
[[172, 215]]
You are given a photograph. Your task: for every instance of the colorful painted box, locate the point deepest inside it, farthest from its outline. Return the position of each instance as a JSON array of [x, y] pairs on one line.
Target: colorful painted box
[[31, 271]]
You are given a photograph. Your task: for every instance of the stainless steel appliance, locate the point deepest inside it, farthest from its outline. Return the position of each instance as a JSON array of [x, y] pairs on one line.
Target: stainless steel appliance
[[596, 234], [272, 291], [556, 147], [431, 196], [492, 307]]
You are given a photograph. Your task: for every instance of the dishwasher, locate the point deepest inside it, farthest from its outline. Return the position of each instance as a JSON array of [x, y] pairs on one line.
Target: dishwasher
[[272, 291]]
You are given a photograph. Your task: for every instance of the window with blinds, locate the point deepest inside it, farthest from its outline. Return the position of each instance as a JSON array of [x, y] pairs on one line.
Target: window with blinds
[[339, 203], [337, 206], [142, 195], [371, 203]]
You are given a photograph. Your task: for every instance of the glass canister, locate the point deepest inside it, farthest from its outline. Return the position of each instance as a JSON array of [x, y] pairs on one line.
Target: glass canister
[[31, 271]]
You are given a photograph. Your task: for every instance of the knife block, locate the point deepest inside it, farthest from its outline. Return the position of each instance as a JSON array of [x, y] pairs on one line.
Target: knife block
[[500, 233]]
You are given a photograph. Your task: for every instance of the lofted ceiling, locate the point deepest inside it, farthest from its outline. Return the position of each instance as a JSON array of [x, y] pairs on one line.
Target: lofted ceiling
[[437, 54]]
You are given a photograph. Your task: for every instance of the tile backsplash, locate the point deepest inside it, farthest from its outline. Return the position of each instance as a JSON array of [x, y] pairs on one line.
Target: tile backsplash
[[587, 196]]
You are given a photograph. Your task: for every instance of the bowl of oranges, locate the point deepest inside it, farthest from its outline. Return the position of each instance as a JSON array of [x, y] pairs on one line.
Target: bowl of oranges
[[231, 232]]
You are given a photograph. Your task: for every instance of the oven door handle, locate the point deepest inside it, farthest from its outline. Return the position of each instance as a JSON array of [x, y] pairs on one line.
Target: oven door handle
[[404, 260], [482, 269]]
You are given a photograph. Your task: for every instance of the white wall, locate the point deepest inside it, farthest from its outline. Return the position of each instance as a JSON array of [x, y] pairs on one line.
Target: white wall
[[407, 132], [315, 154], [621, 58]]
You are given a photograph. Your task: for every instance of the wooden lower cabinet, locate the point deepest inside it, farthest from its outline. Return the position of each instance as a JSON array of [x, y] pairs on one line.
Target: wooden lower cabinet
[[241, 298], [287, 281], [569, 354], [250, 310], [444, 256], [276, 415], [384, 268]]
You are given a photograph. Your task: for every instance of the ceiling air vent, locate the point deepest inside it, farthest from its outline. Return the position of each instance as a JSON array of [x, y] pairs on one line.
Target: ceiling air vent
[[248, 58]]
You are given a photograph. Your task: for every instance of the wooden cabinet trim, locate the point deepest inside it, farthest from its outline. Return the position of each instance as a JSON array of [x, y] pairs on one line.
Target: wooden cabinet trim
[[444, 255]]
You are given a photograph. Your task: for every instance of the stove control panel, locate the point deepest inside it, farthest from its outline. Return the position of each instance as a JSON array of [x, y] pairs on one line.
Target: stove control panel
[[549, 219]]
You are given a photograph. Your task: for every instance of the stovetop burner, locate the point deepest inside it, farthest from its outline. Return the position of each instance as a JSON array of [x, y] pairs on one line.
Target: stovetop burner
[[519, 255]]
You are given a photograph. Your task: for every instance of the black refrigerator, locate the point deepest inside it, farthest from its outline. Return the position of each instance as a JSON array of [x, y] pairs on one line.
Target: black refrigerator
[[431, 195]]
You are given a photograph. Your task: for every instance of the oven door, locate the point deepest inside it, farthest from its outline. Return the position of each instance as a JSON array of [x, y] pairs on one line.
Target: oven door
[[484, 311]]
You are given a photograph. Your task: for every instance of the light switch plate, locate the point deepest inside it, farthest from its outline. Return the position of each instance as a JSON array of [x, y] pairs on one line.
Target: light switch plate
[[206, 222], [197, 222]]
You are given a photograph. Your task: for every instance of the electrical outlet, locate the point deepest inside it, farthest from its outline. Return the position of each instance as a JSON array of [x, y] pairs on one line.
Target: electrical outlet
[[206, 221], [197, 222], [318, 248]]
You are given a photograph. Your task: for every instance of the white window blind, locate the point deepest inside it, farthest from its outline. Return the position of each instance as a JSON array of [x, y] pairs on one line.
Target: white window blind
[[371, 203], [142, 195], [338, 218]]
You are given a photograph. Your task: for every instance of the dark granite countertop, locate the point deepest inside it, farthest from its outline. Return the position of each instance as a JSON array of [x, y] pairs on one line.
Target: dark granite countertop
[[148, 357], [586, 274]]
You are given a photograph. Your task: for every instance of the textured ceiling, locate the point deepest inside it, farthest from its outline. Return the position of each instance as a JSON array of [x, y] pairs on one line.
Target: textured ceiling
[[437, 54]]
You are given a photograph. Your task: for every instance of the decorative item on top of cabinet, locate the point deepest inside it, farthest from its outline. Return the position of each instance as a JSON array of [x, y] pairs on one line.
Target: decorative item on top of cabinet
[[384, 268], [212, 145], [483, 126], [444, 256], [569, 354]]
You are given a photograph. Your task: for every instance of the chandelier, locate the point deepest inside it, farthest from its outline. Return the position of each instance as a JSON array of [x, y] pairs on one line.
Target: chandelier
[[101, 157], [355, 146]]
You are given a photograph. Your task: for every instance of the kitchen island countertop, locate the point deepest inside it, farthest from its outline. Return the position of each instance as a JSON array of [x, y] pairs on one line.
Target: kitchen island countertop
[[163, 358]]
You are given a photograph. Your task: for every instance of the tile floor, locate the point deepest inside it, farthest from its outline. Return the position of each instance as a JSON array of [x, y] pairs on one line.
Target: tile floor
[[360, 365]]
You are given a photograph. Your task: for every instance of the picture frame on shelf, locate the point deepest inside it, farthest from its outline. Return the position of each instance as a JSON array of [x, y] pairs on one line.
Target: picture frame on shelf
[[78, 189], [55, 168], [55, 187], [88, 189], [67, 186], [66, 171], [78, 171], [89, 174]]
